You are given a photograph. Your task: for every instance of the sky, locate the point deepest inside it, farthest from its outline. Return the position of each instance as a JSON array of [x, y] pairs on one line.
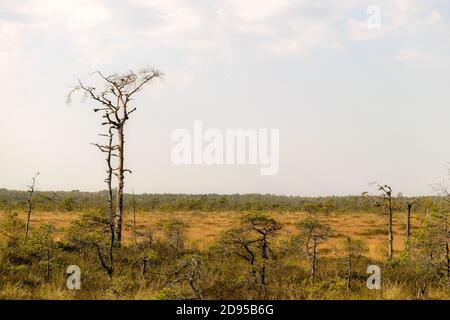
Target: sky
[[353, 104]]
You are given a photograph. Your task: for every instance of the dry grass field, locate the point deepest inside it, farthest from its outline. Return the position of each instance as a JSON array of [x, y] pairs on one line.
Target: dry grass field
[[204, 227], [23, 274]]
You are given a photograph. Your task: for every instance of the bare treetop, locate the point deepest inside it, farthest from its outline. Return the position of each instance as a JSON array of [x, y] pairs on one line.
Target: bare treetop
[[387, 190], [118, 89]]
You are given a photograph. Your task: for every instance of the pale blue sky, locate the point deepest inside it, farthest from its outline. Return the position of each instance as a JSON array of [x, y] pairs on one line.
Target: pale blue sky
[[353, 105]]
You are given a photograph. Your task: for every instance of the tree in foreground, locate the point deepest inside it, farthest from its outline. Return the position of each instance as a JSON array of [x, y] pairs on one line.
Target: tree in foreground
[[432, 242], [265, 228], [252, 242], [114, 100], [88, 233], [29, 199], [11, 229], [386, 202], [352, 253], [175, 233], [43, 246], [409, 204], [312, 233]]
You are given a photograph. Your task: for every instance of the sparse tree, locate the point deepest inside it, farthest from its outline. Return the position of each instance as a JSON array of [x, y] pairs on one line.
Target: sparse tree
[[442, 227], [174, 230], [88, 232], [43, 246], [11, 228], [114, 100], [386, 202], [432, 242], [109, 149], [265, 227], [312, 233], [29, 200], [190, 271], [252, 242], [352, 251], [146, 259], [409, 205], [239, 241]]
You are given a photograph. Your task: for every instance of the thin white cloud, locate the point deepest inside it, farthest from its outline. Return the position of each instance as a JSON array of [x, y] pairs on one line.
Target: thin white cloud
[[257, 10], [172, 18], [358, 31], [306, 35], [71, 14], [41, 21], [415, 57], [212, 29]]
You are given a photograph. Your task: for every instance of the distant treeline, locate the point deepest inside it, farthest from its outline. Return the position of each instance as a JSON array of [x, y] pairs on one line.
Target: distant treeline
[[79, 201]]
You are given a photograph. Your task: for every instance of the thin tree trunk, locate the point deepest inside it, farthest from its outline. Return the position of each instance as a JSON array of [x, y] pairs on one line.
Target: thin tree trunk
[[314, 262], [108, 267], [27, 227], [391, 235], [30, 205], [110, 174], [120, 182], [265, 256], [144, 267], [408, 223]]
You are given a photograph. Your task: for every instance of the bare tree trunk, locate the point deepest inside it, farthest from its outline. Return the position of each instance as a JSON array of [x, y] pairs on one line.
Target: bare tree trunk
[[144, 267], [391, 235], [30, 204], [27, 227], [120, 182], [108, 267], [387, 198], [314, 261], [109, 150], [110, 172], [408, 224]]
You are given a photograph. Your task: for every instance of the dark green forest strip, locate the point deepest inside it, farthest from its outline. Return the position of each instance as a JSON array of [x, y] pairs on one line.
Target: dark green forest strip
[[79, 201]]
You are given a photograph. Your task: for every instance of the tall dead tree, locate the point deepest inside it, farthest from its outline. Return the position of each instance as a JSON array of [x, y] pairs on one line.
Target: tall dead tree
[[409, 205], [29, 200], [387, 202], [115, 99]]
